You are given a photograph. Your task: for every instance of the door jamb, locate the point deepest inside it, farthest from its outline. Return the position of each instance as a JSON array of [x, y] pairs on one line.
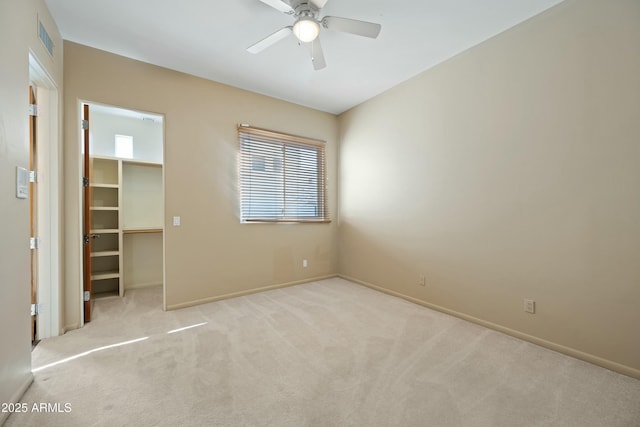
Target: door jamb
[[79, 115], [49, 204]]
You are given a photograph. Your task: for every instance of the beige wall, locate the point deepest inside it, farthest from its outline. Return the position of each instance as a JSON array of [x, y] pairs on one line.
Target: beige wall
[[510, 172], [211, 254], [18, 35]]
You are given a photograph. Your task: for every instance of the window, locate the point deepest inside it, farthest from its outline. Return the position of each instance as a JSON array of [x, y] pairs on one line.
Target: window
[[282, 177], [124, 146]]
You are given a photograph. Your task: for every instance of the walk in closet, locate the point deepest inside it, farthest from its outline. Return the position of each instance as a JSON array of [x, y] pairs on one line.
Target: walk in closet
[[126, 201]]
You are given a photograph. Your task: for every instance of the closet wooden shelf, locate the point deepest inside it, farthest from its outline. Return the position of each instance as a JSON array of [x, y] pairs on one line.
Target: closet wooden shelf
[[104, 253], [142, 163], [141, 230], [103, 185], [104, 208], [103, 275]]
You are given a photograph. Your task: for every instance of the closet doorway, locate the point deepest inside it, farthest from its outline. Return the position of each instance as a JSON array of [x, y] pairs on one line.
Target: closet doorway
[[123, 221]]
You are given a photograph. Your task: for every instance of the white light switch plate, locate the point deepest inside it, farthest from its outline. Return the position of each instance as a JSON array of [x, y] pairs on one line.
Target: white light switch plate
[[176, 221], [22, 183]]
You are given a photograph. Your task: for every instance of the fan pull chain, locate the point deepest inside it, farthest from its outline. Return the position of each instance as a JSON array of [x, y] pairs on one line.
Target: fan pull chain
[[312, 57]]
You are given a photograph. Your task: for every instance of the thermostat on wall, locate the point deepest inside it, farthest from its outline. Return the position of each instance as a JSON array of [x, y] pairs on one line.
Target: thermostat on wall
[[22, 183]]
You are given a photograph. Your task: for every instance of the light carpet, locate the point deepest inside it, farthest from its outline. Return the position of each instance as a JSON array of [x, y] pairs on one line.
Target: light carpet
[[326, 353]]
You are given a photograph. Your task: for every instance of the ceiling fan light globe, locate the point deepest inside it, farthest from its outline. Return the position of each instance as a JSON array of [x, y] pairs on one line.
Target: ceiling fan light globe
[[306, 29]]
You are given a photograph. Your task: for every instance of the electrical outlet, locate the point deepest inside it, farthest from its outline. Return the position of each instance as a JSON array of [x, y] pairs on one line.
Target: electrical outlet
[[305, 264], [423, 280], [529, 306]]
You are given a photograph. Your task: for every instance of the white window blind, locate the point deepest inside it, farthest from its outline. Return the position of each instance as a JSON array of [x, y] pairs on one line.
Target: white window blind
[[282, 177]]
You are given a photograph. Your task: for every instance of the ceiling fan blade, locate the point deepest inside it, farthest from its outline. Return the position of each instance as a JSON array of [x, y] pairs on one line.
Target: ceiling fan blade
[[346, 25], [317, 56], [279, 5], [319, 4], [270, 40]]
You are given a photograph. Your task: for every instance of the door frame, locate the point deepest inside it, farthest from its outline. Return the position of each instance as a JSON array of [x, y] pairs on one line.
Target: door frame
[[80, 160], [86, 214], [33, 208], [49, 200]]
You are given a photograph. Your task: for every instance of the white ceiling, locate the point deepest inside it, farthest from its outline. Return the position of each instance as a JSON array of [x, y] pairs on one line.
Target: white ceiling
[[208, 38]]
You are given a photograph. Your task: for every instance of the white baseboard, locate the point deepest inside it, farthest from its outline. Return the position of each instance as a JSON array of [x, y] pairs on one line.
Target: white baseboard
[[17, 396], [247, 292], [605, 363]]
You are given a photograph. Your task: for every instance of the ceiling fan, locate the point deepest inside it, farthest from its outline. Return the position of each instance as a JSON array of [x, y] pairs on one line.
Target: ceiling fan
[[307, 27]]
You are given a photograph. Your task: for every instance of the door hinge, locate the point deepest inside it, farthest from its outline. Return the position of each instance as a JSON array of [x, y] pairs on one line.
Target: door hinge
[[33, 176], [34, 243], [33, 110], [35, 309], [85, 124], [85, 181], [87, 296]]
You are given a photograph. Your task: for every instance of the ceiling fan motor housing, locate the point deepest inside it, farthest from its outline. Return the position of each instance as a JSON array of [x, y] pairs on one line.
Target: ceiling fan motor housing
[[305, 9]]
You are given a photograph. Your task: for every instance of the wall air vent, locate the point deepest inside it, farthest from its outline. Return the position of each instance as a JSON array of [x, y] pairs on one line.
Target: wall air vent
[[45, 38]]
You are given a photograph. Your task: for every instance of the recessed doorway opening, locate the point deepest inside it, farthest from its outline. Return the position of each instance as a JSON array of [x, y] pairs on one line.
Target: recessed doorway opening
[[123, 202]]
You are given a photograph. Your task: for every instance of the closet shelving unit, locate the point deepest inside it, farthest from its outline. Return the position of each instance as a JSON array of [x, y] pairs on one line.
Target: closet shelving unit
[[126, 199], [106, 199]]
